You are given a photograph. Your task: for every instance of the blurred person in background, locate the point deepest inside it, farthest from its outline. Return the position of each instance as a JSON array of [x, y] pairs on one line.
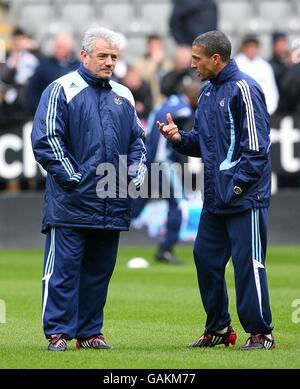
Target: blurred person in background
[[291, 91], [22, 60], [62, 61], [287, 76], [290, 86], [191, 18], [280, 62], [281, 56], [12, 114], [154, 65], [84, 122], [290, 106], [141, 92], [171, 82], [232, 136], [122, 65], [182, 107], [249, 62], [21, 63]]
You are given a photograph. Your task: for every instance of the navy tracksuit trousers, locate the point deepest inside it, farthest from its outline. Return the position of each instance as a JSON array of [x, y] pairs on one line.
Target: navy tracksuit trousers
[[78, 265], [243, 236]]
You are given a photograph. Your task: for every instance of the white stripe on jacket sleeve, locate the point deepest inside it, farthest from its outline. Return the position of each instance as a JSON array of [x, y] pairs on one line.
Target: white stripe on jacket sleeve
[[252, 133], [51, 135]]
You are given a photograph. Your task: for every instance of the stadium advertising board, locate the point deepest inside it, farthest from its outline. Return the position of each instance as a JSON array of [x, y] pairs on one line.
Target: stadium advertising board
[[17, 160]]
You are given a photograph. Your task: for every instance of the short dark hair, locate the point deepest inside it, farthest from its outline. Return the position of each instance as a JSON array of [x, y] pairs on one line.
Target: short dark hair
[[214, 42], [276, 35], [250, 38], [18, 31], [153, 37]]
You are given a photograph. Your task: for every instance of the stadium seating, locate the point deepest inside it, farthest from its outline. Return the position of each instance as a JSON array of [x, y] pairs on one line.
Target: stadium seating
[[276, 12], [157, 14], [233, 15], [76, 14], [121, 14], [33, 16], [138, 18]]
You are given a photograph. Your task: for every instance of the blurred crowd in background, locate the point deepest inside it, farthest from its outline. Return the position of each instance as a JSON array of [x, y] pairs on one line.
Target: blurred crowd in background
[[152, 77]]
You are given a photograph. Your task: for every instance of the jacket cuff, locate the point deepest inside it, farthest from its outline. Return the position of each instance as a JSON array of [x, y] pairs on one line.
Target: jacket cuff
[[71, 183], [179, 145]]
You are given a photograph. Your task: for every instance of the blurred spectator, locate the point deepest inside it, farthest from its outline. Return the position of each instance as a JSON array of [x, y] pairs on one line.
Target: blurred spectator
[[182, 108], [12, 113], [141, 92], [19, 67], [288, 81], [21, 63], [291, 91], [290, 105], [21, 59], [249, 62], [154, 65], [170, 83], [191, 18], [280, 62], [122, 65], [62, 61]]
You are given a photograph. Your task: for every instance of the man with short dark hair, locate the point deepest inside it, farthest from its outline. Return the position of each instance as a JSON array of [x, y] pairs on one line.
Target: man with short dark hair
[[232, 136]]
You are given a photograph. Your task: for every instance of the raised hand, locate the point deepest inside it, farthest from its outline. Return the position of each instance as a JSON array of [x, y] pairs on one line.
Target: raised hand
[[170, 130]]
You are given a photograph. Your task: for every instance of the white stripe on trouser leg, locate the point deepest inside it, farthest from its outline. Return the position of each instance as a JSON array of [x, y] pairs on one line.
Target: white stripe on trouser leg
[[257, 236], [256, 250], [48, 270], [259, 240]]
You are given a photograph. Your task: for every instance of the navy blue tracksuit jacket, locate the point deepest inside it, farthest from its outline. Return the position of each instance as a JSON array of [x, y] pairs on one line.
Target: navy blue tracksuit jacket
[[232, 136], [81, 123]]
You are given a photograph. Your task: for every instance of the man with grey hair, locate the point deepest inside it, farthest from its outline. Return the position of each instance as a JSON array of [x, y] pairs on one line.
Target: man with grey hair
[[232, 136], [84, 123]]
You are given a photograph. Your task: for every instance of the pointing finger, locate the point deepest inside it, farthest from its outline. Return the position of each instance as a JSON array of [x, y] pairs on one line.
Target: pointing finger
[[170, 119]]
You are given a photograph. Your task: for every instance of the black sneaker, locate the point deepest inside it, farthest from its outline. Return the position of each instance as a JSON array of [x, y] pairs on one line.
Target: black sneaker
[[97, 342], [212, 339], [258, 342], [57, 342], [166, 256]]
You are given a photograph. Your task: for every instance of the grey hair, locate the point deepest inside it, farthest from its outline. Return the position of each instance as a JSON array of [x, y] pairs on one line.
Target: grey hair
[[95, 33], [214, 42]]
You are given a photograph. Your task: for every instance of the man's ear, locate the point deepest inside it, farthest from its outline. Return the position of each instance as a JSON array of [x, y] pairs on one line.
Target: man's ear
[[216, 58], [83, 55]]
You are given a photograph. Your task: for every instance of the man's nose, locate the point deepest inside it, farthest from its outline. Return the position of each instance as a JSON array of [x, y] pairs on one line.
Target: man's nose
[[109, 61]]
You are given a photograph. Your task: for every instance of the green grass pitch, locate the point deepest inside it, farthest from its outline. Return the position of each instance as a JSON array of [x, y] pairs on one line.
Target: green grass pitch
[[150, 316]]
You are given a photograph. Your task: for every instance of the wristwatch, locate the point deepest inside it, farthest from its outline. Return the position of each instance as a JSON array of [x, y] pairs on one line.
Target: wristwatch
[[237, 190]]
